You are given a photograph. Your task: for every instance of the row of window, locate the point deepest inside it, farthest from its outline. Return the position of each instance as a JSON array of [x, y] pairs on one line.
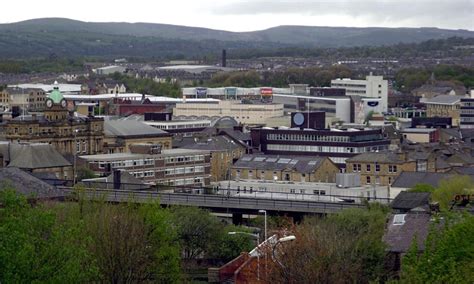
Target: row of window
[[467, 111], [182, 126], [187, 181], [324, 149], [307, 137], [264, 189], [180, 159], [357, 168], [128, 163], [185, 170], [143, 174]]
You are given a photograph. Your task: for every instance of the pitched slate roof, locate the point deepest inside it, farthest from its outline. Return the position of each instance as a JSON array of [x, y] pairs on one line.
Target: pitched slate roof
[[26, 184], [279, 163], [376, 157], [409, 200], [217, 143], [410, 179], [443, 99], [34, 156], [124, 128], [400, 235]]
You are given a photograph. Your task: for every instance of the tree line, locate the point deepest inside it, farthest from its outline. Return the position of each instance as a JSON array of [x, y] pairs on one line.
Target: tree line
[[148, 86], [314, 76], [408, 79], [92, 241]]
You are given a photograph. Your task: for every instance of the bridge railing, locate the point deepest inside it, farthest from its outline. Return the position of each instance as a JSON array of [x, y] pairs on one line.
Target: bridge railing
[[211, 201]]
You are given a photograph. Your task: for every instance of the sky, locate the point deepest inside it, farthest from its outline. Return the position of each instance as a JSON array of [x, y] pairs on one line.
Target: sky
[[247, 15]]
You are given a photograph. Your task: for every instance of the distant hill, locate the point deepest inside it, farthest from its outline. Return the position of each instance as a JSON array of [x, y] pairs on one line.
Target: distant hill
[[42, 37]]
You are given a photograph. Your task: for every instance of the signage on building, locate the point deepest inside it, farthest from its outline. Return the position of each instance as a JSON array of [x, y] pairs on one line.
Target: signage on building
[[201, 92], [266, 91]]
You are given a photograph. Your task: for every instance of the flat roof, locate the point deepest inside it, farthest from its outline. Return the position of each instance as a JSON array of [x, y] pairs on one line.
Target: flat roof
[[121, 156], [49, 87], [418, 130]]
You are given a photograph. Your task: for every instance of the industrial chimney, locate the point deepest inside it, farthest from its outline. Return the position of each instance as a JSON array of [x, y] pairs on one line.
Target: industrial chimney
[[224, 58]]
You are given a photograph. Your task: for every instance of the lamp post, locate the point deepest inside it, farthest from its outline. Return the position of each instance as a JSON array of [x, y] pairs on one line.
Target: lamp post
[[257, 237], [265, 212], [281, 240], [265, 234]]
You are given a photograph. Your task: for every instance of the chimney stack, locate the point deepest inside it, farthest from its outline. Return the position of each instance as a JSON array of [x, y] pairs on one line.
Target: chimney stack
[[117, 179], [224, 58]]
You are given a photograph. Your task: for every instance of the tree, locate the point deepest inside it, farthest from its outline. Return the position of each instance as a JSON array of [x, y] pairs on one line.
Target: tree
[[342, 248], [196, 229], [39, 246], [133, 244], [422, 187], [163, 237], [85, 173], [448, 258], [447, 189], [227, 247]]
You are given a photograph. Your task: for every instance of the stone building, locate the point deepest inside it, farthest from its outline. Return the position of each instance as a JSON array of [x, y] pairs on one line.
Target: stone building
[[120, 134], [379, 168], [148, 162], [444, 106], [285, 168], [58, 126], [35, 158], [224, 151], [28, 99]]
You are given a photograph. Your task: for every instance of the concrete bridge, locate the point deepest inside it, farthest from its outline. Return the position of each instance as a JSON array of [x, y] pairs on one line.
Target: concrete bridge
[[218, 203]]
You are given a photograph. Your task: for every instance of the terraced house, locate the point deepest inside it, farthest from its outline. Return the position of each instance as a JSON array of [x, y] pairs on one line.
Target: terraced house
[[285, 168], [379, 168]]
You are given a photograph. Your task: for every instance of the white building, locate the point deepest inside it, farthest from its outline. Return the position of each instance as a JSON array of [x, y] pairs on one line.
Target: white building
[[109, 70], [244, 113], [336, 108], [310, 191], [371, 87]]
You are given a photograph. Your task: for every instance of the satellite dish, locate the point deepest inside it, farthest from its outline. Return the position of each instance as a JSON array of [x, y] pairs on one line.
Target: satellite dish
[[298, 119]]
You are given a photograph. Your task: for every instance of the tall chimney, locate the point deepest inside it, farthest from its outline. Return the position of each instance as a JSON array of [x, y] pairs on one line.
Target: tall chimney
[[117, 179], [224, 58]]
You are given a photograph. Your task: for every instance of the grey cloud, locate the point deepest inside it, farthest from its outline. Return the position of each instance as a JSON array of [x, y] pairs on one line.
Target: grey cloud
[[454, 13]]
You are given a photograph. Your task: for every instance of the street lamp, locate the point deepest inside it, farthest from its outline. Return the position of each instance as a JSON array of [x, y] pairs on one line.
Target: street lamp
[[257, 237], [265, 212], [266, 259], [281, 240]]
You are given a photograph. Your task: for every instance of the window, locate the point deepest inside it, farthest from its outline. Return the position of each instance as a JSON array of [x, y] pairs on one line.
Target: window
[[377, 167], [368, 180], [399, 219], [292, 190], [356, 167], [368, 167], [392, 168]]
